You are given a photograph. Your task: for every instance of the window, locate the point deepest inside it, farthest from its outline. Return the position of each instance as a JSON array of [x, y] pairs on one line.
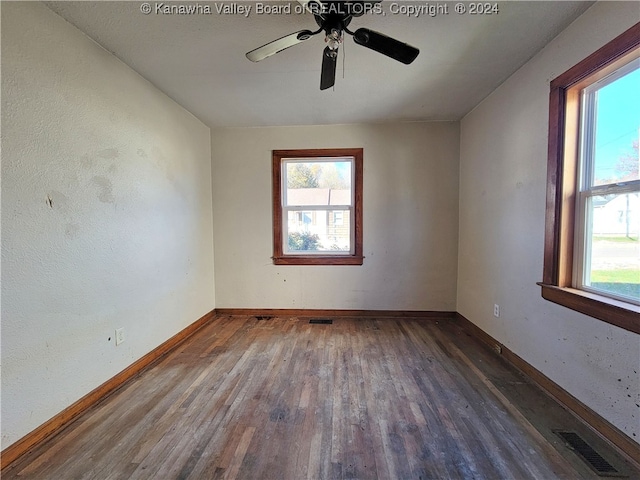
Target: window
[[607, 252], [317, 207], [592, 245]]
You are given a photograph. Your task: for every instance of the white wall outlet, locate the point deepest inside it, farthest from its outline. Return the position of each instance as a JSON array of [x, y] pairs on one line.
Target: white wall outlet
[[496, 310], [119, 335]]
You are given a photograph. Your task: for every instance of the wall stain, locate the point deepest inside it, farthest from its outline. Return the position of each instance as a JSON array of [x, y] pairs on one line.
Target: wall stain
[[109, 153], [57, 199], [85, 161], [105, 195], [71, 230]]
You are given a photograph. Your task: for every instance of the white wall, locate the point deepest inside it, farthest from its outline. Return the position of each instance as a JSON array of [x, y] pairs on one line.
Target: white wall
[[410, 206], [502, 210], [128, 238]]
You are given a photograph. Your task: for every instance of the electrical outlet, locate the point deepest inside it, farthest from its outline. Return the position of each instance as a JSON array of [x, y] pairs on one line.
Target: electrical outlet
[[119, 335], [496, 310]]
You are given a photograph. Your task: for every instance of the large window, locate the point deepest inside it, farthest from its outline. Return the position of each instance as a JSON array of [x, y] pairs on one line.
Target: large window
[[607, 250], [592, 244], [317, 207]]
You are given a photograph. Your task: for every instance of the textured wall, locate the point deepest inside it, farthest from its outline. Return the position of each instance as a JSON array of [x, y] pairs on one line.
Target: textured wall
[[410, 219], [106, 216], [502, 208]]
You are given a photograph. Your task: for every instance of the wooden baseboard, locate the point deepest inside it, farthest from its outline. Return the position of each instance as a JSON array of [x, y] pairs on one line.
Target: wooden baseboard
[[62, 419], [602, 426], [290, 312], [55, 424]]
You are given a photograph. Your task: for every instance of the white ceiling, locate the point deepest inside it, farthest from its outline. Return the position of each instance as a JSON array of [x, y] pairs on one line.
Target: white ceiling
[[199, 60]]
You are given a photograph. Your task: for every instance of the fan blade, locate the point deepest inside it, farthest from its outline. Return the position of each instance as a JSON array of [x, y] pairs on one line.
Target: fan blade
[[386, 45], [329, 62], [278, 45]]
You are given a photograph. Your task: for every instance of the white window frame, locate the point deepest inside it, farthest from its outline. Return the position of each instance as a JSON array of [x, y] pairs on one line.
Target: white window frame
[[300, 208], [585, 190]]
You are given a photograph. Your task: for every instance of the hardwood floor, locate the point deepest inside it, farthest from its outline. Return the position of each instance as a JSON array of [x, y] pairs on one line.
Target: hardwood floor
[[279, 398]]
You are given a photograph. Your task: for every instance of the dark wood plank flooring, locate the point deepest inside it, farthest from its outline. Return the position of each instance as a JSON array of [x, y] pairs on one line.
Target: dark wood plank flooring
[[363, 398]]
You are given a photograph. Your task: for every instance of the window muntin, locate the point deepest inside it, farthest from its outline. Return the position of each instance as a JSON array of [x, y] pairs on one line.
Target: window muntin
[[317, 207], [607, 251]]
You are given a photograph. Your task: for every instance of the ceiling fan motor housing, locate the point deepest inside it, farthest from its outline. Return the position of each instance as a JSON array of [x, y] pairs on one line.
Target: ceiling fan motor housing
[[333, 21], [346, 8]]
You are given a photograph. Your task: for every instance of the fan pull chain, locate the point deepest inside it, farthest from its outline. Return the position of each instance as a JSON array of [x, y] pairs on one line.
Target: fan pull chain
[[343, 58]]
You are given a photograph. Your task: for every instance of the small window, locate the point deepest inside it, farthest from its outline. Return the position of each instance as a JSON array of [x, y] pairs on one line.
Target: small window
[[317, 207], [592, 247]]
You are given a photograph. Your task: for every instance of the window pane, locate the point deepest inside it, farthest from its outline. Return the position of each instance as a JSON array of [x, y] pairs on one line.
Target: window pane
[[318, 183], [617, 123], [614, 253], [319, 231]]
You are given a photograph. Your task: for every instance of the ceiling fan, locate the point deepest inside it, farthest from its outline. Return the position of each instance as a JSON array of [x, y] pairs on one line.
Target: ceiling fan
[[333, 18]]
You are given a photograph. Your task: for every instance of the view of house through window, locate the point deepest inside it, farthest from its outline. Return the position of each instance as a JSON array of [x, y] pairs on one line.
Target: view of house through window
[[317, 200], [317, 207], [607, 254]]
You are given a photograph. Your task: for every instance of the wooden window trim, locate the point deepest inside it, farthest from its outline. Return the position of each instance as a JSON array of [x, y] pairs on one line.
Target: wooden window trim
[[561, 184], [279, 258]]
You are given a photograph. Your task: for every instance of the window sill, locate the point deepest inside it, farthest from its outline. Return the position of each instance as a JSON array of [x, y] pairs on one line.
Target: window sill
[[615, 312], [318, 260]]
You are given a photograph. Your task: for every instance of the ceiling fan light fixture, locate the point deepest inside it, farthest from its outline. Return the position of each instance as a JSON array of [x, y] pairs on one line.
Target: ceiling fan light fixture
[[334, 39]]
